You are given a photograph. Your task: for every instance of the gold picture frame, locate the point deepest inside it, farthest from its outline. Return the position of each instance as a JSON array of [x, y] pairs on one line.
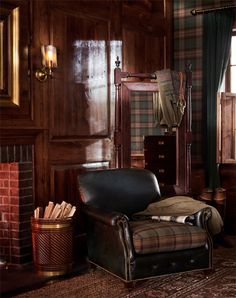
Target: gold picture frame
[[9, 56]]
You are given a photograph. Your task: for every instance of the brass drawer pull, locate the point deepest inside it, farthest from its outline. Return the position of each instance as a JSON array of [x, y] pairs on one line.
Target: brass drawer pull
[[160, 142], [161, 171], [161, 156]]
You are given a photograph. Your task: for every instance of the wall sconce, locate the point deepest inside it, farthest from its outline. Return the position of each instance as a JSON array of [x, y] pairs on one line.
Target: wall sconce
[[49, 62]]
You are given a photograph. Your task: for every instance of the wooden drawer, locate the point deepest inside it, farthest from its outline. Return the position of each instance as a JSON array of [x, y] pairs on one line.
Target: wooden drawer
[[159, 157], [166, 175], [160, 143]]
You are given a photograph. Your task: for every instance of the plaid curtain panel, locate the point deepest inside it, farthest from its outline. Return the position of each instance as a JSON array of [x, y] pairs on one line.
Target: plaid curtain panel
[[142, 120], [188, 48]]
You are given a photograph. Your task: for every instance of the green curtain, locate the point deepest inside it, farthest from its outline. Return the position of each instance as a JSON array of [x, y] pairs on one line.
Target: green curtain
[[217, 31]]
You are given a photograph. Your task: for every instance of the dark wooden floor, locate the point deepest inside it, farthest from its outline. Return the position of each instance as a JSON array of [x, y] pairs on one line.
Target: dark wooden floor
[[16, 280]]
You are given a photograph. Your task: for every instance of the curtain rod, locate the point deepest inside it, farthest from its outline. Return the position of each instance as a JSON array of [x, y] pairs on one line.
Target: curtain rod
[[194, 12]]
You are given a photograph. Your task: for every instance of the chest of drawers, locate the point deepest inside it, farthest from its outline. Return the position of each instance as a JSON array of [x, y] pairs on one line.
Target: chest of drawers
[[160, 158]]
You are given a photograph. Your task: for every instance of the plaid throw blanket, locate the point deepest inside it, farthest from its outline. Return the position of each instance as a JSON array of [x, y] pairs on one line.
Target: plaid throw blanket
[[169, 103]]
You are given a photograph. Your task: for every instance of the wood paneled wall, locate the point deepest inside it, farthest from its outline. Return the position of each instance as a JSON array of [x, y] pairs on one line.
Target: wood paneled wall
[[70, 118]]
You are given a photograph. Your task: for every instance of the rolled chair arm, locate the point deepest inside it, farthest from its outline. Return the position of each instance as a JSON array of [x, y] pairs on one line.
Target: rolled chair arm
[[201, 218], [108, 218], [114, 221]]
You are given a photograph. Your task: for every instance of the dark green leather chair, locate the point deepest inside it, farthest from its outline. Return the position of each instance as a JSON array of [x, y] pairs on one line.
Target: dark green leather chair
[[109, 198]]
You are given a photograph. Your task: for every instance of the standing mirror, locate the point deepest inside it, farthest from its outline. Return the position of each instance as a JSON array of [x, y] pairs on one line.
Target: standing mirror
[[139, 142]]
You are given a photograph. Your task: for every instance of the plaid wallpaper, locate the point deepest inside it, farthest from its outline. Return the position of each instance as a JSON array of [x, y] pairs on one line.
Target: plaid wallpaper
[[188, 31]]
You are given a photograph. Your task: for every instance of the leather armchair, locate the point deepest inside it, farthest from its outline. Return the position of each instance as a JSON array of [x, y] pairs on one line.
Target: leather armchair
[[109, 198]]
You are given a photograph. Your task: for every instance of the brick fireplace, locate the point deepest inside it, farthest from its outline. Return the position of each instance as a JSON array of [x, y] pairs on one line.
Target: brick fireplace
[[16, 203]]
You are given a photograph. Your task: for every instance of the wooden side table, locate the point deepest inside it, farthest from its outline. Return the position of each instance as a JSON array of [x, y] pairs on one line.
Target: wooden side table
[[217, 199]]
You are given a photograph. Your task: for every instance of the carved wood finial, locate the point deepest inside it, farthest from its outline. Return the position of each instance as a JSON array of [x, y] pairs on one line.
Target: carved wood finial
[[117, 62]]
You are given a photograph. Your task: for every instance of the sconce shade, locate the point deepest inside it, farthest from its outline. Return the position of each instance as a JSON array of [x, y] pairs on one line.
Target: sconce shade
[[49, 62], [49, 56]]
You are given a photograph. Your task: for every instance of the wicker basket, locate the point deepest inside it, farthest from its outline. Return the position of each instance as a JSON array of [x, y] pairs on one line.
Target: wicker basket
[[52, 246]]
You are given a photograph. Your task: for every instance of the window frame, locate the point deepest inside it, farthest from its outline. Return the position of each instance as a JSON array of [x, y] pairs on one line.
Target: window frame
[[228, 70]]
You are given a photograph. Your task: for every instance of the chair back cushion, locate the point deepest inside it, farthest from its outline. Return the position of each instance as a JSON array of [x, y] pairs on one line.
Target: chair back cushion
[[121, 190]]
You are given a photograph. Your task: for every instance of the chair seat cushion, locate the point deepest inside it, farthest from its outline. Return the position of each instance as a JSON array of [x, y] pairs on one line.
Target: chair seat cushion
[[150, 236]]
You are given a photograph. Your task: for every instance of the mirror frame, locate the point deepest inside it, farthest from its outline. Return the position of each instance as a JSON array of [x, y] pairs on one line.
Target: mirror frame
[[122, 135]]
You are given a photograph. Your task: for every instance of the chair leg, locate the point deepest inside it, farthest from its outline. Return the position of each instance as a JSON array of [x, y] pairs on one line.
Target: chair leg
[[92, 267], [208, 272], [130, 285]]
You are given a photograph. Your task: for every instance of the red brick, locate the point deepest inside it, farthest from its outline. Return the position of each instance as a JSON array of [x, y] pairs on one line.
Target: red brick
[[6, 200], [5, 251], [15, 242], [15, 234], [14, 217], [14, 183], [6, 217], [15, 251], [5, 234], [5, 242], [4, 225], [5, 208], [14, 175], [5, 166], [4, 175], [14, 200], [14, 209], [4, 191], [6, 183], [17, 179], [14, 166], [14, 192]]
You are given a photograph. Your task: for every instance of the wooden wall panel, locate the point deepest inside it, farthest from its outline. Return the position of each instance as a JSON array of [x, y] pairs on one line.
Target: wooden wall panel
[[71, 116], [80, 151], [146, 35], [80, 102], [80, 126], [151, 48]]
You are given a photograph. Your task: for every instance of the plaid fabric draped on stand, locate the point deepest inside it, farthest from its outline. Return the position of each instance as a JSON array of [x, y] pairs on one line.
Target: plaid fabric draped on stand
[[142, 120], [169, 103]]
